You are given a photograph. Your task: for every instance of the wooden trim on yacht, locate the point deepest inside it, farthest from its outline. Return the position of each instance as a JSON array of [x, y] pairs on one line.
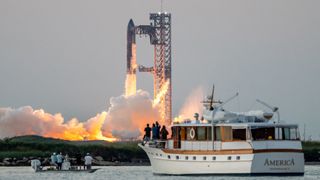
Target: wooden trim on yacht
[[229, 151], [276, 150], [208, 152]]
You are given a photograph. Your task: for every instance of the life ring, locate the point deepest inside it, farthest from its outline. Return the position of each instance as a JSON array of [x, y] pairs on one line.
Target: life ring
[[192, 133]]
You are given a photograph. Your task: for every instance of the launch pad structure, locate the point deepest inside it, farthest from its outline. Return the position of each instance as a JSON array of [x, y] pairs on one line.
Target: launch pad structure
[[159, 32]]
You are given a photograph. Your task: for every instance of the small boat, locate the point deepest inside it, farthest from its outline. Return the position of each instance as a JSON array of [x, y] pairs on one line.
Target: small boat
[[229, 143], [70, 170], [36, 166]]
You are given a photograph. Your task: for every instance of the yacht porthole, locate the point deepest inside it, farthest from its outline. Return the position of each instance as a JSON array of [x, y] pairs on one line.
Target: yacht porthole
[[186, 157], [169, 157], [177, 157], [214, 158], [204, 158], [229, 157], [238, 157], [194, 158]]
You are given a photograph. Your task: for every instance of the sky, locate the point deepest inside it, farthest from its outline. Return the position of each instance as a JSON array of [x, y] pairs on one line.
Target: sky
[[70, 56]]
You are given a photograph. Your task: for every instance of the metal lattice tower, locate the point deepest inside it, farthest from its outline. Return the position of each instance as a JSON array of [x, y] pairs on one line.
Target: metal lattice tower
[[159, 31], [162, 61]]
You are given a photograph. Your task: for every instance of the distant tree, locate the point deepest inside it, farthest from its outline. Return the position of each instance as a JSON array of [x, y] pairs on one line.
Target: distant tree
[[6, 140]]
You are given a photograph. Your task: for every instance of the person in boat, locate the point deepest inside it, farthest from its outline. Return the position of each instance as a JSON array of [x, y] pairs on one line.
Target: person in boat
[[78, 160], [154, 131], [158, 129], [164, 133], [53, 159], [196, 117], [147, 131], [36, 165], [59, 160], [66, 165], [88, 161], [66, 158]]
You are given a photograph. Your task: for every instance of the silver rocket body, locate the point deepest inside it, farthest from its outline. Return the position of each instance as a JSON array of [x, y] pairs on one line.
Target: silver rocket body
[[131, 42]]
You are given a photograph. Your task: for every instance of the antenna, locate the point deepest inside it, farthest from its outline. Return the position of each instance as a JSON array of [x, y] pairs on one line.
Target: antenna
[[231, 98], [211, 98], [304, 132], [161, 6]]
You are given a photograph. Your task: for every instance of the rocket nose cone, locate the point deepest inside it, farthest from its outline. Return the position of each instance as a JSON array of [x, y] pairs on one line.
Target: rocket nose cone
[[131, 24]]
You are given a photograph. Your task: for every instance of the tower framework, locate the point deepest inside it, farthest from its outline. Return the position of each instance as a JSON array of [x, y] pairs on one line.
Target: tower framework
[[162, 62], [159, 32]]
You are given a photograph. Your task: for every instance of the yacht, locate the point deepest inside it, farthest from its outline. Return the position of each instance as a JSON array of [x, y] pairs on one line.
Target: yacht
[[229, 143]]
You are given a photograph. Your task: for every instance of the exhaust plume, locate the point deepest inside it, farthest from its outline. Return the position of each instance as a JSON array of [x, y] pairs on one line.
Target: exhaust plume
[[191, 105], [128, 115], [125, 119]]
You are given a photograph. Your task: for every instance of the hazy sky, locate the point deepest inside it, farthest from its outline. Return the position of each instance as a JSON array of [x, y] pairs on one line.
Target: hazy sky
[[70, 56]]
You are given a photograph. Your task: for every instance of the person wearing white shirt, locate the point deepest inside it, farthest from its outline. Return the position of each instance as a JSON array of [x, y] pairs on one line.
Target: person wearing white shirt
[[88, 161]]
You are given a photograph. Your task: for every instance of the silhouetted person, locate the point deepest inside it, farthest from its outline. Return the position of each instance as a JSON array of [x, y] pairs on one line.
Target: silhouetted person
[[158, 130], [78, 160], [154, 131], [147, 131], [164, 133]]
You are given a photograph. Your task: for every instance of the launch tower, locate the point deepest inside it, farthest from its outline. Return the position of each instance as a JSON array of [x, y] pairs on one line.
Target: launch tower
[[159, 32]]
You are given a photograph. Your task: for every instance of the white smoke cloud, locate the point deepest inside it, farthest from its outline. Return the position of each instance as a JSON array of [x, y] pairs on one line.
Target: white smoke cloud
[[128, 115], [193, 103], [25, 120], [125, 119]]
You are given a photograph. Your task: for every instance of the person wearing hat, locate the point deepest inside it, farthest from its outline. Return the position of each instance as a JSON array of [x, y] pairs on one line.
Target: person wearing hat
[[88, 161]]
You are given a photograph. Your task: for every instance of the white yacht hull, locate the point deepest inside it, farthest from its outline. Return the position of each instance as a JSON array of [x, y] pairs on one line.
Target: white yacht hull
[[251, 163]]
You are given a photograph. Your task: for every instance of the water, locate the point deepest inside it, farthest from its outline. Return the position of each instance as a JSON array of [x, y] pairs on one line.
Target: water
[[131, 173]]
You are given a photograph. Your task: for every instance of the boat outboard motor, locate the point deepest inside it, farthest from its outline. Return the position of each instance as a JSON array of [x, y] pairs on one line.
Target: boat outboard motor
[[36, 165]]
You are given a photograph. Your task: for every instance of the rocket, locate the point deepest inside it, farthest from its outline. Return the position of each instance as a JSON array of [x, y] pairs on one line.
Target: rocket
[[131, 45]]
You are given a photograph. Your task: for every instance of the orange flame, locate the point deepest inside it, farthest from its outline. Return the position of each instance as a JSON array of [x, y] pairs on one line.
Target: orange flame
[[161, 93]]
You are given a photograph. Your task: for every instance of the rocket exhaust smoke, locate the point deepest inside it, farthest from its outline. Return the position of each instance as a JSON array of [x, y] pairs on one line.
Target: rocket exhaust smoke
[[125, 119], [191, 105]]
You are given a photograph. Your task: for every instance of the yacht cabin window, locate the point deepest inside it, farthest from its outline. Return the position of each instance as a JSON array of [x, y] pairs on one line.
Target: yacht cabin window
[[201, 133], [217, 133], [196, 133], [275, 133], [291, 133], [263, 133], [239, 134]]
